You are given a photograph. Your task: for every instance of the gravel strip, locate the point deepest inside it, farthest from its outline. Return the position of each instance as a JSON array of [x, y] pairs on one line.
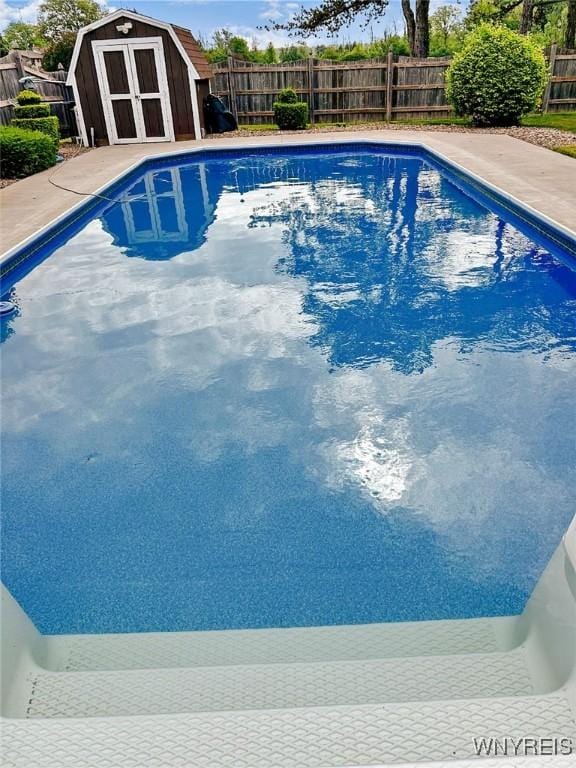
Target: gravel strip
[[542, 137]]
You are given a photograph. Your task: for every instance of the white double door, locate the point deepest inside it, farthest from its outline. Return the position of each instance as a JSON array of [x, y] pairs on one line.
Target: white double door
[[134, 90]]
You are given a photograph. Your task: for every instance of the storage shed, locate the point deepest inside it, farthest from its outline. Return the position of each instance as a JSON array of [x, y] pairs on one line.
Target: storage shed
[[136, 79]]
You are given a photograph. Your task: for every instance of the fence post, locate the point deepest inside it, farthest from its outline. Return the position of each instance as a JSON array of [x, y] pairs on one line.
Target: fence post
[[311, 87], [551, 68], [231, 88], [389, 84]]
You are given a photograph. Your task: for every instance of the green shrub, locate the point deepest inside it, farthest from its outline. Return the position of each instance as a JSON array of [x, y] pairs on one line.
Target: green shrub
[[24, 152], [291, 117], [289, 113], [32, 110], [497, 76], [287, 96], [47, 125], [28, 97]]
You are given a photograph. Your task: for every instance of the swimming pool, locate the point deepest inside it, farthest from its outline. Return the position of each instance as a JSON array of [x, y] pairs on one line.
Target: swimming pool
[[287, 388]]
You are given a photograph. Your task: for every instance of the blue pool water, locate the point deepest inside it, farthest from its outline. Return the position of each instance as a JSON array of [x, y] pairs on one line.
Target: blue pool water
[[284, 390]]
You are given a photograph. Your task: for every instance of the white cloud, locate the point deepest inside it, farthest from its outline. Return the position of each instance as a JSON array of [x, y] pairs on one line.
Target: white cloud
[[279, 39], [272, 10], [26, 12], [262, 37]]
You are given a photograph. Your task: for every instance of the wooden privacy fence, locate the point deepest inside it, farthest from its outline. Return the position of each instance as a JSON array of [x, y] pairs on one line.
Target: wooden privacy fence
[[50, 85], [376, 89]]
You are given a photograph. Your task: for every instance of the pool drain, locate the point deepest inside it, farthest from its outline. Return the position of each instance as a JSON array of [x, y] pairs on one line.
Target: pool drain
[[6, 308]]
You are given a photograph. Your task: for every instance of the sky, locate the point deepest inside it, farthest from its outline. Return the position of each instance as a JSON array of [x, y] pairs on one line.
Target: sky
[[243, 17]]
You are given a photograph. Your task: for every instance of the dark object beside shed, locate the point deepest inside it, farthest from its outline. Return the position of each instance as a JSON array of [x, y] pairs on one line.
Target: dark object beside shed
[[217, 118], [137, 79]]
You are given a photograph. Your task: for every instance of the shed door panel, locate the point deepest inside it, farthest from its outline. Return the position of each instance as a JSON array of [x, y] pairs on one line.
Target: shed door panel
[[146, 71], [115, 63], [124, 118], [153, 117]]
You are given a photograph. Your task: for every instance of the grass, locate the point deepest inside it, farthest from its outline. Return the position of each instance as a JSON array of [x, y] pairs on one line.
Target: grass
[[263, 127], [567, 149], [565, 121], [436, 121]]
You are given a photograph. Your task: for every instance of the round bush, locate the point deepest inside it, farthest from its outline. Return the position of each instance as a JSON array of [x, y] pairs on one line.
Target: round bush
[[28, 97], [24, 152], [497, 76]]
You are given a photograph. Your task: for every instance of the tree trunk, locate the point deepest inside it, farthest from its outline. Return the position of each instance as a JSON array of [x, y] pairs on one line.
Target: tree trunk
[[526, 19], [422, 32], [570, 38], [410, 24], [417, 27]]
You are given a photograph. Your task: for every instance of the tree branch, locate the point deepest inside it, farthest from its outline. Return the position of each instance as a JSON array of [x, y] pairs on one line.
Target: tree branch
[[330, 15]]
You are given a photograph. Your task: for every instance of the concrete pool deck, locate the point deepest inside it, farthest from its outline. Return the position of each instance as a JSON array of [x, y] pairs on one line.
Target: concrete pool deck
[[537, 177]]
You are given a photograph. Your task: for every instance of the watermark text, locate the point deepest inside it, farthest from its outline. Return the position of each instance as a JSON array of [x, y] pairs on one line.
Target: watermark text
[[524, 746]]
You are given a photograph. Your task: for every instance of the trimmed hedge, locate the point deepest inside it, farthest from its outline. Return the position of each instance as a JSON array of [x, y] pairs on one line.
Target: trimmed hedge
[[289, 113], [32, 110], [28, 97], [24, 152], [497, 77], [48, 125], [291, 117]]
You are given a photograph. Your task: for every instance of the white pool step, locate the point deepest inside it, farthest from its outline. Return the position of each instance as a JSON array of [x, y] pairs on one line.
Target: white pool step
[[291, 738], [276, 686], [277, 646]]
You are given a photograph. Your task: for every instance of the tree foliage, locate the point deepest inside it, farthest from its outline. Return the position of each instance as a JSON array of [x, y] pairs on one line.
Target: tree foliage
[[550, 20], [58, 19], [446, 30], [59, 53], [19, 34], [497, 76]]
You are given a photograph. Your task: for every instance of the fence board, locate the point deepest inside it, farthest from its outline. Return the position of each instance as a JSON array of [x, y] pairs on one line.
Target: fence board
[[9, 85]]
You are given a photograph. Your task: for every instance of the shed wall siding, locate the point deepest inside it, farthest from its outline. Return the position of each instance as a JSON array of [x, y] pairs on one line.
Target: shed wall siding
[[176, 72]]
